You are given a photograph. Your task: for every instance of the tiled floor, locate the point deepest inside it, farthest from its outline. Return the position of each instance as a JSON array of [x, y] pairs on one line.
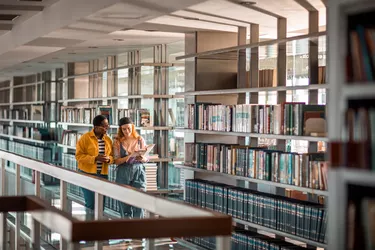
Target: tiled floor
[[137, 245]]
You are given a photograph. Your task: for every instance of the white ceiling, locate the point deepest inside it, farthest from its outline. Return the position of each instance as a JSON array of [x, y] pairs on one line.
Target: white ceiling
[[79, 30]]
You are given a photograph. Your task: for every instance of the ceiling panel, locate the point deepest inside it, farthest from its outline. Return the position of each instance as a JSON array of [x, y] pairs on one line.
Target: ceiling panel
[[54, 42], [175, 21]]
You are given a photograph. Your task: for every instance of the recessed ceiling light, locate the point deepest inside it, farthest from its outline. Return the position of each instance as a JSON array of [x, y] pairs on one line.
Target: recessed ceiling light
[[118, 40], [122, 15], [247, 3], [192, 18]]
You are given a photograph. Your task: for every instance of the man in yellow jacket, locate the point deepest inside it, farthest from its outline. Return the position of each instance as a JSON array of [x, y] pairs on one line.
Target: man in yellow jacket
[[94, 154]]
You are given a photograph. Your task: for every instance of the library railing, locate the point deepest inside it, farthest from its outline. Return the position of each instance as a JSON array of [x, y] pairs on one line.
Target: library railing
[[176, 219]]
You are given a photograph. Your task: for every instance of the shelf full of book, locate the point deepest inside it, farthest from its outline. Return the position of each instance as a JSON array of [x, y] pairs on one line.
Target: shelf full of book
[[243, 121], [254, 180], [255, 135], [351, 128], [133, 88]]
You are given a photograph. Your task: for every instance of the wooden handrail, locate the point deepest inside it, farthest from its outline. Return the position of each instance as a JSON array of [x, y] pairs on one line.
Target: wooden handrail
[[74, 230], [123, 193], [177, 219]]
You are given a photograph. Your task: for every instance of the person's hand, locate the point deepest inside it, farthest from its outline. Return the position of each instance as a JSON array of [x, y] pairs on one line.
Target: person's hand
[[126, 158], [102, 158], [141, 158]]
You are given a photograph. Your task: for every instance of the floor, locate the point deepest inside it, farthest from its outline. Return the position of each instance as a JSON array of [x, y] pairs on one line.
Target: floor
[[163, 244]]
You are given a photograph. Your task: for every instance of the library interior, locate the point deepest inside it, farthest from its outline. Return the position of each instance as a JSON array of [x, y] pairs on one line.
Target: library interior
[[187, 124]]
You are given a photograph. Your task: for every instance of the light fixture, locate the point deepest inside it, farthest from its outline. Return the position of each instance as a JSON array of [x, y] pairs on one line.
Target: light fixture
[[247, 3], [192, 18], [93, 47], [118, 39]]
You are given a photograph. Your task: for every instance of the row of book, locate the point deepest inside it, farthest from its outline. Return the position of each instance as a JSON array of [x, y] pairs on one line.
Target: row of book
[[6, 129], [38, 153], [304, 170], [361, 129], [34, 113], [358, 148], [140, 117], [70, 137], [361, 54], [246, 240], [71, 114], [74, 114], [27, 132], [296, 217], [288, 118], [5, 114]]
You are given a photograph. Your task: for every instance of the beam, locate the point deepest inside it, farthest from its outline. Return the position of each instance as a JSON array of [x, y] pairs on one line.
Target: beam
[[306, 4], [217, 16], [256, 8], [4, 26], [5, 7], [56, 16], [205, 20]]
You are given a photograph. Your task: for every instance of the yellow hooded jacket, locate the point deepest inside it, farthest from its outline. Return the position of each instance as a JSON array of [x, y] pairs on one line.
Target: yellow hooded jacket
[[87, 149]]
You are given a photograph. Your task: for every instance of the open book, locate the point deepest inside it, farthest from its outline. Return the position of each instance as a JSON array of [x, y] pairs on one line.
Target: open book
[[144, 152]]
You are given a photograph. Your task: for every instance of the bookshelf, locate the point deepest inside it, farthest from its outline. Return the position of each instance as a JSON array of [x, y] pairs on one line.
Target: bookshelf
[[26, 108], [130, 81], [255, 135], [228, 73], [253, 180], [351, 124]]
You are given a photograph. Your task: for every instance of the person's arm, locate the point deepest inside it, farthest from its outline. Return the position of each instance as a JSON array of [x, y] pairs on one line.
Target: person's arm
[[81, 153], [142, 145], [116, 154], [110, 152]]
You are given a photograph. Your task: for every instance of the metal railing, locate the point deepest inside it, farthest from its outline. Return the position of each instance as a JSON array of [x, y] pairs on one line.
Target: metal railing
[[177, 219]]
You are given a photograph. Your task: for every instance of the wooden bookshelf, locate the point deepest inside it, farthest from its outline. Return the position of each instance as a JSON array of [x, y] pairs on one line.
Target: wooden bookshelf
[[143, 91], [232, 86], [252, 180], [28, 121], [312, 36], [27, 103], [280, 233], [352, 92], [139, 65], [253, 90], [255, 135]]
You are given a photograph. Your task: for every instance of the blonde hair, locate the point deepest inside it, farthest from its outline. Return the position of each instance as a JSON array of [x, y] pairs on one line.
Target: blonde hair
[[121, 136]]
